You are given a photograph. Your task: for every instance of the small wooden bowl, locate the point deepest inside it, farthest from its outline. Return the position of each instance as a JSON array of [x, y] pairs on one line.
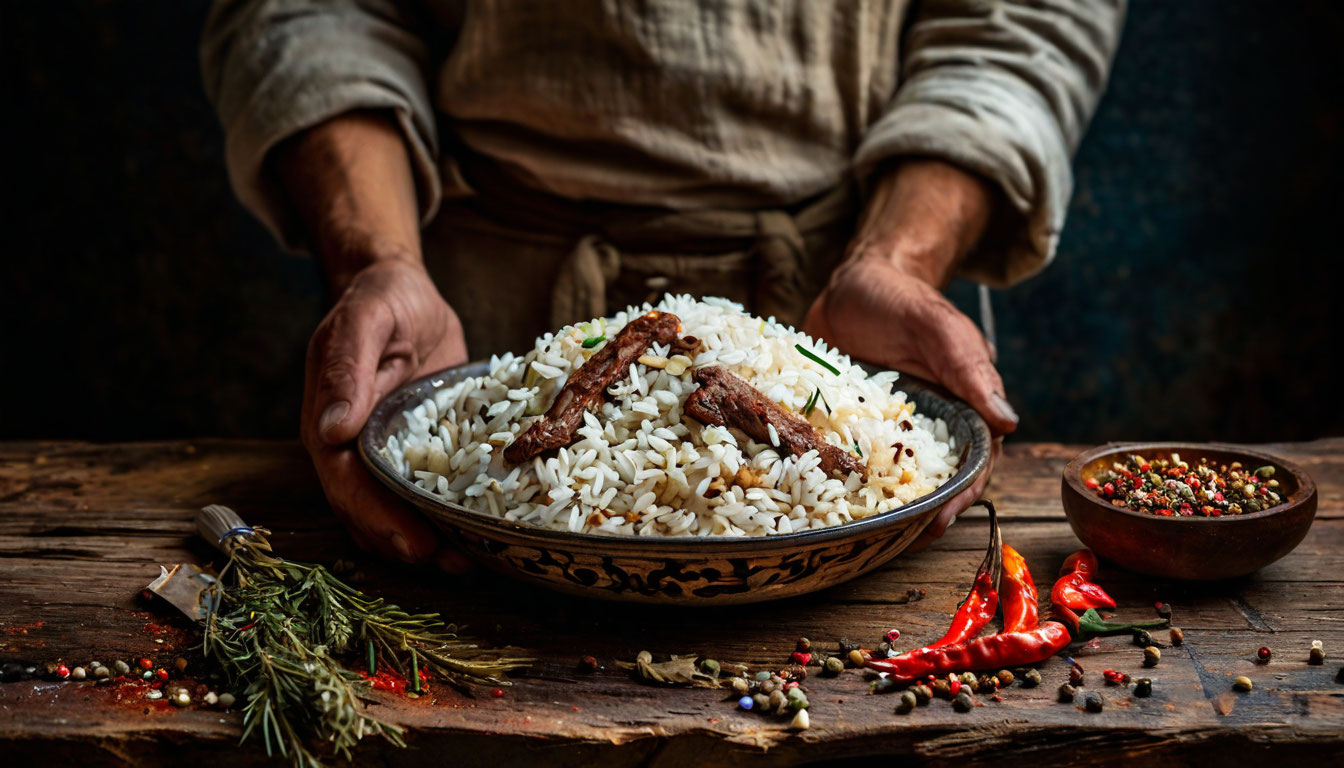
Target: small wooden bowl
[[1197, 547]]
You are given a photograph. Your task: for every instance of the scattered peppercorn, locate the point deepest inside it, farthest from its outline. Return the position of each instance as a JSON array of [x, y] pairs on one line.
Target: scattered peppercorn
[[78, 673], [587, 664], [1075, 675], [907, 703], [1143, 687], [709, 667], [1143, 638], [746, 702], [1032, 678], [834, 666], [882, 685], [1163, 609], [121, 667], [145, 664], [942, 689], [1151, 655], [856, 658], [923, 693], [1242, 684], [954, 688], [1066, 693], [762, 702], [180, 664], [778, 701], [963, 702], [1263, 655], [801, 721], [968, 678], [1177, 637], [1316, 657], [986, 684], [762, 676], [102, 673], [226, 700], [161, 674], [740, 685], [893, 635], [1172, 487], [1094, 702], [1112, 677]]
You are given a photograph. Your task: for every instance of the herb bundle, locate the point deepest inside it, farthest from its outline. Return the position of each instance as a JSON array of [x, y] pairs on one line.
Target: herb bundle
[[280, 628]]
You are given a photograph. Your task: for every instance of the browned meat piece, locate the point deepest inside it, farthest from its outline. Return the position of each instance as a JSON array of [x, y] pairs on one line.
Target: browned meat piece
[[726, 400], [586, 386]]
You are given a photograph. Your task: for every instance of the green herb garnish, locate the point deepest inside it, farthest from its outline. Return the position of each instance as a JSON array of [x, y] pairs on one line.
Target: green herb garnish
[[858, 450], [279, 629], [829, 410], [811, 403], [593, 341], [816, 359]]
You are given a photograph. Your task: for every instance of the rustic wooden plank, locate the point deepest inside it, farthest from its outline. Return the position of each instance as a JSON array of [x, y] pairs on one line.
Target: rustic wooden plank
[[83, 528]]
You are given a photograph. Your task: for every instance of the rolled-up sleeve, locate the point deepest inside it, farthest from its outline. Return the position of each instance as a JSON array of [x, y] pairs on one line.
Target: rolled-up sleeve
[[1002, 88], [273, 68]]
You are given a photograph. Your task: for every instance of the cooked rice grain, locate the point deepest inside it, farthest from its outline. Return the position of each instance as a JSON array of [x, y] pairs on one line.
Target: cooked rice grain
[[639, 468]]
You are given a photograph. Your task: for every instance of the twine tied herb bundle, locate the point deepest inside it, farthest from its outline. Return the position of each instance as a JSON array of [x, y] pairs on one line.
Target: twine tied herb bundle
[[280, 628]]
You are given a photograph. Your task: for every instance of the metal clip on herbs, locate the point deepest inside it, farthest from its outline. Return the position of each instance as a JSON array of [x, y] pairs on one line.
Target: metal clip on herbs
[[1022, 641]]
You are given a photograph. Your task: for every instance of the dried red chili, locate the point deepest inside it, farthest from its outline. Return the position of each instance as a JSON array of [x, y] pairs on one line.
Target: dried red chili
[[1018, 593], [1074, 589], [983, 599], [1006, 649]]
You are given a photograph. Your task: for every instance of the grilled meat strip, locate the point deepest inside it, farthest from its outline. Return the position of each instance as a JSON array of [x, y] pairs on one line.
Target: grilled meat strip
[[587, 386], [726, 400]]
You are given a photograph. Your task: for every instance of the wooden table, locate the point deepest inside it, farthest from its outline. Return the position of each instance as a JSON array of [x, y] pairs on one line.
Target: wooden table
[[84, 527]]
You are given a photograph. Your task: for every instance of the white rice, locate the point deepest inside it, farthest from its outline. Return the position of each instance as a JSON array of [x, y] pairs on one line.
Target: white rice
[[638, 467]]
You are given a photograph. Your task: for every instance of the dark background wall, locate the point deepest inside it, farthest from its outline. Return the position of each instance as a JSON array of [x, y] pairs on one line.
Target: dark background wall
[[1194, 295]]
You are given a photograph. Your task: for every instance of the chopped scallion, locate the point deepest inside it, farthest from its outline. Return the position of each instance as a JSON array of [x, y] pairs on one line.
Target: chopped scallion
[[858, 450], [816, 359], [593, 341], [811, 403]]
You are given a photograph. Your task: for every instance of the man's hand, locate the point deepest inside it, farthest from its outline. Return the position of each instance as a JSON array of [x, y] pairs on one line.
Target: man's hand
[[350, 183], [389, 326], [885, 305]]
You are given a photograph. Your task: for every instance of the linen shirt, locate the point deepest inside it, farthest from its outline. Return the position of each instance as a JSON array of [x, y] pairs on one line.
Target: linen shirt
[[688, 105]]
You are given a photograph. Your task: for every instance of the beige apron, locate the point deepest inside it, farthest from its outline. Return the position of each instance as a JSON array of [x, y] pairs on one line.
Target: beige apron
[[515, 263]]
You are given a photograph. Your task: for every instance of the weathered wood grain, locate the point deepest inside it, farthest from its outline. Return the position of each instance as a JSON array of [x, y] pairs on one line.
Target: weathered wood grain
[[83, 528]]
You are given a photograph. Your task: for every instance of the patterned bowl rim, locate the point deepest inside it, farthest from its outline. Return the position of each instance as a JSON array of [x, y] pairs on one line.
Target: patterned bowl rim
[[387, 417]]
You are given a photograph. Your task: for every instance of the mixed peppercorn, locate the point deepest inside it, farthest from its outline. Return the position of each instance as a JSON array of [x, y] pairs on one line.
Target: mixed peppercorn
[[1175, 488]]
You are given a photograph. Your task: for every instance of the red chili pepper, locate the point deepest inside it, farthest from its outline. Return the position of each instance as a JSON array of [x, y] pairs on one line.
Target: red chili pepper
[[1006, 649], [1074, 589], [983, 600], [1083, 561], [1019, 593]]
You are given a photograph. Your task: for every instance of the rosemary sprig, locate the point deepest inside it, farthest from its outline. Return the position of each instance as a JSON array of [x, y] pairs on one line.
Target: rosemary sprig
[[279, 628]]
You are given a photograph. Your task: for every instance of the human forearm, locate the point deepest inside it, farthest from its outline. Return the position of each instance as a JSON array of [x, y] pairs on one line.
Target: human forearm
[[923, 217], [351, 186]]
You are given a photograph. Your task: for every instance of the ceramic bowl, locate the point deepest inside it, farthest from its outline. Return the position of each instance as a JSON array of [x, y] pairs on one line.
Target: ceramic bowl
[[1196, 547], [678, 570]]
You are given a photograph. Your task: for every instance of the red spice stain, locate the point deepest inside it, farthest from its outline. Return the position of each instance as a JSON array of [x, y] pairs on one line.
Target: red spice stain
[[22, 629], [391, 681]]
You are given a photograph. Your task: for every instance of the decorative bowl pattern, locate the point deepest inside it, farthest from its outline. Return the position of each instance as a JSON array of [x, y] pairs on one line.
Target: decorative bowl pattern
[[678, 570], [1196, 547]]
